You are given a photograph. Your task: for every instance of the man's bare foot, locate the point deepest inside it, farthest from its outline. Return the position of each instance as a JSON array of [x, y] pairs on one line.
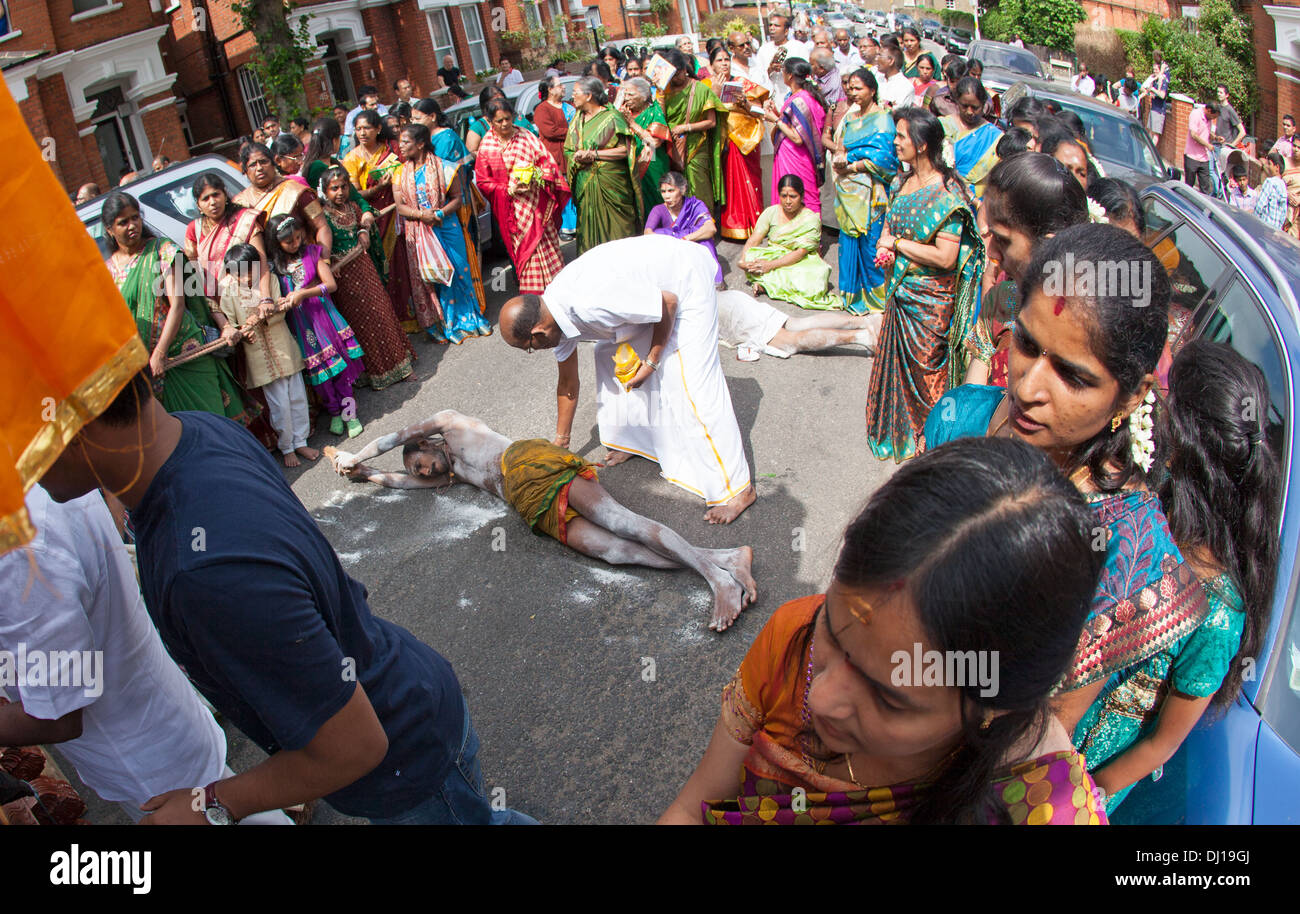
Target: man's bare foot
[[727, 603], [614, 458], [306, 453], [725, 514], [291, 459], [737, 563]]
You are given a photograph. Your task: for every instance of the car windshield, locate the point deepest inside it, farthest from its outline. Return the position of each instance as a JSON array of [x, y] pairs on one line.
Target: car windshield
[[175, 199], [1016, 61], [959, 33], [1118, 138]]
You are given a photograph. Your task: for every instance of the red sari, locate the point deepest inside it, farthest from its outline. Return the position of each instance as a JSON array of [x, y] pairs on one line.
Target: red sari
[[742, 168], [530, 220]]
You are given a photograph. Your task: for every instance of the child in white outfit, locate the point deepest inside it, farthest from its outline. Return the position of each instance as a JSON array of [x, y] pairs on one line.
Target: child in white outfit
[[273, 357]]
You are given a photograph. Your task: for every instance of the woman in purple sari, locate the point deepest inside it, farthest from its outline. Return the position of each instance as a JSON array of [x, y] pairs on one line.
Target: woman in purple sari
[[687, 218], [796, 136]]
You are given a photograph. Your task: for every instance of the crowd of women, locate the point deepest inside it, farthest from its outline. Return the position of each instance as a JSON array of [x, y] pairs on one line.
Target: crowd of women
[[949, 227]]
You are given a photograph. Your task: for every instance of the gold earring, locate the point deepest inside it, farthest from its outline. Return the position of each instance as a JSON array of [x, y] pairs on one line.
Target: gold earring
[[1114, 423]]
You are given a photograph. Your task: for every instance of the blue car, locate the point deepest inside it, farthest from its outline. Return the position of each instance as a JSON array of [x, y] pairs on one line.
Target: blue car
[[1236, 281]]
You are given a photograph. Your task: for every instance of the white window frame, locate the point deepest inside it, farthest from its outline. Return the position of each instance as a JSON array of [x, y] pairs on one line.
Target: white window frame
[[441, 50], [99, 6], [470, 13], [559, 15], [532, 15], [250, 87]]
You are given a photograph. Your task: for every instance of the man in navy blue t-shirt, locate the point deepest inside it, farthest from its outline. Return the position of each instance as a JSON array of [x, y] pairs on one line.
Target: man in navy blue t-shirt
[[253, 604]]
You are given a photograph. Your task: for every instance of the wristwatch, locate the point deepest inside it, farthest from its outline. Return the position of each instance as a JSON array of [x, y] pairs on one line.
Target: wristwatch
[[215, 813]]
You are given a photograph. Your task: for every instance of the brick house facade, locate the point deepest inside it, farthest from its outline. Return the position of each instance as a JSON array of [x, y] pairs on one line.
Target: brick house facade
[[92, 80], [1276, 32], [115, 82]]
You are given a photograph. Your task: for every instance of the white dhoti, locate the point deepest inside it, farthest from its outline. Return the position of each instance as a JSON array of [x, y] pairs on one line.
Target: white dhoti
[[682, 416]]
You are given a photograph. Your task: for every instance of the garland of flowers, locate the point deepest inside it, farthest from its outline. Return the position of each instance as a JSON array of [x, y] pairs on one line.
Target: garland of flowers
[[1141, 429]]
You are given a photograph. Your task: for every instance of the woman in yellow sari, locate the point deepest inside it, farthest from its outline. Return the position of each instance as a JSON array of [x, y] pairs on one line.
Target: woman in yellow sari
[[270, 191], [371, 165], [602, 160], [742, 170]]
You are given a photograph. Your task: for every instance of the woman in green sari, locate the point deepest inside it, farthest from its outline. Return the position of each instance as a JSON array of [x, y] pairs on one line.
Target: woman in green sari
[[789, 266], [698, 123], [646, 118], [601, 158], [155, 279]]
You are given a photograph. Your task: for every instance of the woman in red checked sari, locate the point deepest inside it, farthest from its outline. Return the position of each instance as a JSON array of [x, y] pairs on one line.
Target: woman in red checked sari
[[843, 710], [527, 212]]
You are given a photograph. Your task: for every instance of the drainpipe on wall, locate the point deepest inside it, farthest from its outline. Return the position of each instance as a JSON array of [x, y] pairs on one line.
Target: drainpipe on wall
[[219, 69]]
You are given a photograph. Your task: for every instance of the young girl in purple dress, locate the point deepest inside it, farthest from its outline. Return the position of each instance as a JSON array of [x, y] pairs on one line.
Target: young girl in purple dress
[[329, 348]]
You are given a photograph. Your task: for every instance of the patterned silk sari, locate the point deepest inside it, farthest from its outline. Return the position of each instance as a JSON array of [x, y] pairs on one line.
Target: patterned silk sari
[[782, 782], [860, 204], [802, 159], [605, 192], [204, 384], [426, 185], [1149, 619], [528, 220], [209, 250], [698, 155], [921, 351], [742, 169], [652, 119], [973, 152], [366, 171]]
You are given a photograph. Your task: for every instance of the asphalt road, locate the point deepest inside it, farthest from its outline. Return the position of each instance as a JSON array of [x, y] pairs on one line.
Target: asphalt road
[[594, 689]]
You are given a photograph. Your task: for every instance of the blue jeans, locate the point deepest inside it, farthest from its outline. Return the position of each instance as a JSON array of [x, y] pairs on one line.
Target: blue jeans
[[462, 799]]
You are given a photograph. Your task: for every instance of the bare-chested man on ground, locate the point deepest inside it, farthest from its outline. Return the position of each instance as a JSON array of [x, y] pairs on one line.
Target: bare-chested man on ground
[[557, 493]]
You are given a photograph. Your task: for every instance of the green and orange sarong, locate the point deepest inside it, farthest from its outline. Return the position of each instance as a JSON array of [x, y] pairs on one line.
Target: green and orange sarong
[[536, 476]]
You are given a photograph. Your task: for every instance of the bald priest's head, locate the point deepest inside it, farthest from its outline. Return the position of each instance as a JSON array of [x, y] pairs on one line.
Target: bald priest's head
[[527, 324]]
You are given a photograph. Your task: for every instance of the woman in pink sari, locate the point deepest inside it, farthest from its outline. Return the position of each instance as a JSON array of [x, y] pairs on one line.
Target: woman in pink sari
[[528, 194], [797, 130]]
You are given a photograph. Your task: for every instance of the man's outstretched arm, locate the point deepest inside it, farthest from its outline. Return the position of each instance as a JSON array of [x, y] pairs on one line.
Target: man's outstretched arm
[[435, 425], [346, 464]]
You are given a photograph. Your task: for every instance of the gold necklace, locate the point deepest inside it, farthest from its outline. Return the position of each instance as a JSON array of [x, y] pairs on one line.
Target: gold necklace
[[848, 760], [998, 427]]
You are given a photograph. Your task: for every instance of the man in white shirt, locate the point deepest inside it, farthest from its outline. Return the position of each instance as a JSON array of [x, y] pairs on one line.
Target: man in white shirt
[[895, 90], [847, 58], [122, 713], [369, 98], [738, 43], [1083, 83], [655, 293], [765, 68], [509, 75]]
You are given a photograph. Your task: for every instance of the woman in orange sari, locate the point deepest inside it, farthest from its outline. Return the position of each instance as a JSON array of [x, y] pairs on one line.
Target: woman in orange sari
[[742, 170], [905, 693], [528, 194]]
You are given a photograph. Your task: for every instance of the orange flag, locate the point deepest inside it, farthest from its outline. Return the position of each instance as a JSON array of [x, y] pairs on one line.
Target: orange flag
[[69, 341]]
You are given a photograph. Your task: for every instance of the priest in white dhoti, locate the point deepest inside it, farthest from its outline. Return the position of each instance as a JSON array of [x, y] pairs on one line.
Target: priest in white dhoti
[[656, 294]]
